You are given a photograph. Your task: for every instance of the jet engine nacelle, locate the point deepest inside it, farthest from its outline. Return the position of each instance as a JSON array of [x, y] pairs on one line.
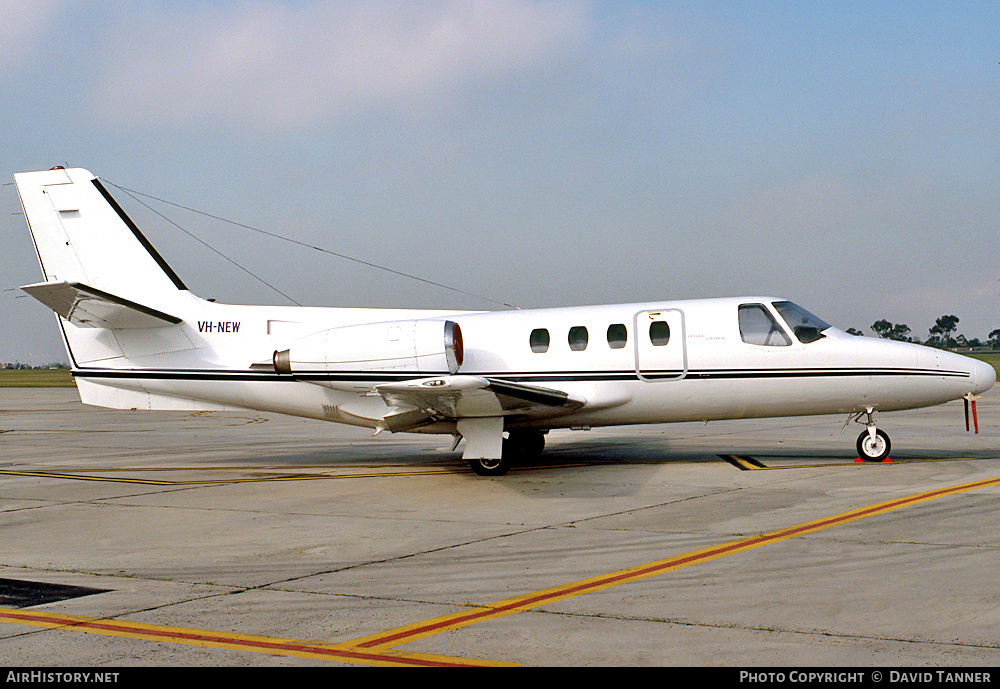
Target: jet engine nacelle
[[426, 346]]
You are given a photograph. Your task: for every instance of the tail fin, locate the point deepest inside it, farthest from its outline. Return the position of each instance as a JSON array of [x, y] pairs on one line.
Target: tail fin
[[100, 272], [82, 236], [117, 300]]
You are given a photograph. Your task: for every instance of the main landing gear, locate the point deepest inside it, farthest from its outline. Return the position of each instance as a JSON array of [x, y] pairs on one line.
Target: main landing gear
[[517, 446], [873, 444], [490, 466]]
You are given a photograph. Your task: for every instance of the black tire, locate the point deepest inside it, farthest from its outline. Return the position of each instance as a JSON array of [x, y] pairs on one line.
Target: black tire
[[490, 467], [524, 445], [873, 450]]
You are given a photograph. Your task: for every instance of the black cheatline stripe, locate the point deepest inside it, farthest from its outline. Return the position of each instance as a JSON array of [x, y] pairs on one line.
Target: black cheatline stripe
[[138, 235], [819, 373], [562, 376]]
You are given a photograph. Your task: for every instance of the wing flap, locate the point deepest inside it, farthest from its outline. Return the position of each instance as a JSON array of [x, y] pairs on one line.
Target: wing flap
[[89, 307], [456, 397], [519, 395]]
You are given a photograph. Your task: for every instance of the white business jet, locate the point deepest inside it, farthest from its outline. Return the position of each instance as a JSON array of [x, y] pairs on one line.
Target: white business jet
[[138, 339]]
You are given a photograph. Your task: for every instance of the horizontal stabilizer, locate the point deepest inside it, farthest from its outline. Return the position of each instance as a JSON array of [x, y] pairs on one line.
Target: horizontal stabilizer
[[89, 307]]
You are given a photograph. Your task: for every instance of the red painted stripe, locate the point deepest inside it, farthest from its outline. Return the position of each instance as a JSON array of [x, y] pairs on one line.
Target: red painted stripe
[[680, 561], [255, 644]]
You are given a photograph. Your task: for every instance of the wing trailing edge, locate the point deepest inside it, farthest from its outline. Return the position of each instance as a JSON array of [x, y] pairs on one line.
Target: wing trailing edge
[[418, 402]]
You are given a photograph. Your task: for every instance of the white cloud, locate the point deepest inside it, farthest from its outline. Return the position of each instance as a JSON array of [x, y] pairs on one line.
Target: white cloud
[[269, 64]]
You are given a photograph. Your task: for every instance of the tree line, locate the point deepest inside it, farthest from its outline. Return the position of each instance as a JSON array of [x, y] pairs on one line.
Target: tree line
[[941, 334], [27, 367]]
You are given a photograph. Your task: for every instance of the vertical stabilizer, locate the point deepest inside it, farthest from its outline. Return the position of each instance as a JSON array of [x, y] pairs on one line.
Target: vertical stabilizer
[[116, 298], [83, 236]]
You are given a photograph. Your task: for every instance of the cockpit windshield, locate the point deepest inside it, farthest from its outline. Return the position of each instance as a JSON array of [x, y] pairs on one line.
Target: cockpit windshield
[[807, 327]]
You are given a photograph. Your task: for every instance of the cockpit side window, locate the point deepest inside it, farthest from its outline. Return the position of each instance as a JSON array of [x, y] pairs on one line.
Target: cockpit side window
[[806, 326], [758, 327]]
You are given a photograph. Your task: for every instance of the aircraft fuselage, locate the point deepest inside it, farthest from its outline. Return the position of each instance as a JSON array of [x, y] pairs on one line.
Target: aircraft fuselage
[[139, 339], [705, 371]]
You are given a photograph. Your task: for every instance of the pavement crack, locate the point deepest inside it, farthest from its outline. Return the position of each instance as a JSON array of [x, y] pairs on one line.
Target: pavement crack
[[769, 630]]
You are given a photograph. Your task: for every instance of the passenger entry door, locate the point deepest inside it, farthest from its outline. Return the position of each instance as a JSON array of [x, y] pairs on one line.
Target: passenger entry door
[[660, 345]]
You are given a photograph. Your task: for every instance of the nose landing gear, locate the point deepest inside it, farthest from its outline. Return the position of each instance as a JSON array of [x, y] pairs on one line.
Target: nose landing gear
[[873, 449], [873, 444]]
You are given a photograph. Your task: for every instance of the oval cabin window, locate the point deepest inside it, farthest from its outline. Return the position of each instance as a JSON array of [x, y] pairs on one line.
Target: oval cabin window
[[617, 336], [578, 338], [539, 340]]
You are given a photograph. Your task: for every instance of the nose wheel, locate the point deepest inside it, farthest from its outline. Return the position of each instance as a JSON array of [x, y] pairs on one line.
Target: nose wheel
[[873, 448], [873, 444]]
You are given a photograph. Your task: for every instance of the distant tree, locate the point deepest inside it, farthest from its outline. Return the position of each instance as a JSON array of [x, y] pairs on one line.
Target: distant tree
[[995, 339], [854, 331], [942, 330], [882, 328], [891, 331]]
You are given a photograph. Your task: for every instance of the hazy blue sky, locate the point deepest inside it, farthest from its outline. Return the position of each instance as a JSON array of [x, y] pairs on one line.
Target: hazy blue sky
[[840, 154]]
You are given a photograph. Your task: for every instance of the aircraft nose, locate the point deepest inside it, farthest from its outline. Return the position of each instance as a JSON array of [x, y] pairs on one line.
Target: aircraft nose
[[983, 376]]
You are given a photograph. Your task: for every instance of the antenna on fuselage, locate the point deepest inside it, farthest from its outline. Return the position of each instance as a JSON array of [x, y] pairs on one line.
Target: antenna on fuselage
[[133, 193]]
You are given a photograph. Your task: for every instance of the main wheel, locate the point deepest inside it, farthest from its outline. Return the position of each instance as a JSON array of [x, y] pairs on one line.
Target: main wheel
[[524, 444], [490, 467], [873, 450]]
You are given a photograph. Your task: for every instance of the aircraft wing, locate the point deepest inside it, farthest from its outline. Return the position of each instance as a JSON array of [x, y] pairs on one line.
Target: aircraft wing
[[89, 307], [418, 402]]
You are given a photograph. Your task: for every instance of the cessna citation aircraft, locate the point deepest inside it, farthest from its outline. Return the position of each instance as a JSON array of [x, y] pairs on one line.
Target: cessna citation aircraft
[[138, 339]]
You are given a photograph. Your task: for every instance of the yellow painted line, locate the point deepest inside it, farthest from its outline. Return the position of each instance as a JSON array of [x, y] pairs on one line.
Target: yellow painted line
[[376, 649], [81, 477], [742, 463], [238, 642], [199, 482], [202, 468], [854, 463], [529, 601], [90, 476]]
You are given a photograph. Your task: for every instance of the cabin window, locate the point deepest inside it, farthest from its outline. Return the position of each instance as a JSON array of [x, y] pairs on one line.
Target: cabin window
[[617, 336], [806, 326], [758, 327], [659, 333], [539, 340], [578, 338]]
